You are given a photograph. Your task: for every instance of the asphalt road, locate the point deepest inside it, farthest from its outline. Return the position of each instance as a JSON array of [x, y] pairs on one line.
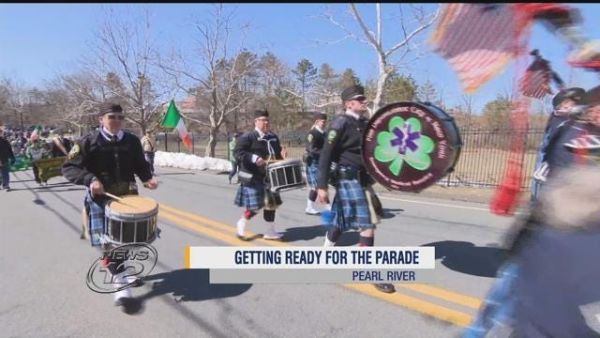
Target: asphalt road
[[44, 265]]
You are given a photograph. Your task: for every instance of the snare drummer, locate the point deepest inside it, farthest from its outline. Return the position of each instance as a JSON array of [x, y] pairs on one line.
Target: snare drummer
[[314, 143], [353, 205], [106, 160], [253, 151]]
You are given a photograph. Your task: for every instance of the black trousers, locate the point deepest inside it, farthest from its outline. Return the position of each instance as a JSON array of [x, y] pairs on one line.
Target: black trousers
[[36, 173]]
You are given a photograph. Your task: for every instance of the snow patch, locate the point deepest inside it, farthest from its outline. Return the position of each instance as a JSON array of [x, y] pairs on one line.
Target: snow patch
[[188, 161]]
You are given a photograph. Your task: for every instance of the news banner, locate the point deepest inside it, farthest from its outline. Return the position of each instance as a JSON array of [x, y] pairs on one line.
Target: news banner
[[312, 264]]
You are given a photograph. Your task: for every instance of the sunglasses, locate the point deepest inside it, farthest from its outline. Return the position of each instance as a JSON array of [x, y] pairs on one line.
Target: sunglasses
[[118, 117], [263, 120]]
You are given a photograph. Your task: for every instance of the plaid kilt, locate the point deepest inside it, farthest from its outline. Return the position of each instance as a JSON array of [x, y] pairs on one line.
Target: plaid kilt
[[255, 196], [251, 196], [351, 207], [96, 221], [312, 174]]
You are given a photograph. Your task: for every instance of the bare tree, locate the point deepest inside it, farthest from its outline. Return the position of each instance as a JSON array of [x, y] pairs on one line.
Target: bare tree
[[218, 76], [467, 100], [124, 53], [384, 55], [75, 98], [326, 91], [14, 98], [427, 92]]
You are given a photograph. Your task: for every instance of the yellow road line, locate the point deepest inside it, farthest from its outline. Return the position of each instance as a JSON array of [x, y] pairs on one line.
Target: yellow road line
[[184, 218], [203, 230], [433, 310], [450, 296], [218, 225]]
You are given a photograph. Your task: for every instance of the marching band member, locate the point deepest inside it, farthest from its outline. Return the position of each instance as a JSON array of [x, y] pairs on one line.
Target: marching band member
[[7, 158], [105, 161], [314, 143], [149, 146], [252, 151], [566, 104], [37, 150], [234, 163], [352, 206], [572, 139]]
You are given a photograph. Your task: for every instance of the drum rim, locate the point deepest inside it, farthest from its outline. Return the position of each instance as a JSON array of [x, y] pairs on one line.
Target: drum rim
[[152, 238], [289, 186], [129, 217]]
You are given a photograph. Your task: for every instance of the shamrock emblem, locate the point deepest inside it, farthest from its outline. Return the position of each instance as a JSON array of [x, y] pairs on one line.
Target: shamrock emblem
[[404, 143]]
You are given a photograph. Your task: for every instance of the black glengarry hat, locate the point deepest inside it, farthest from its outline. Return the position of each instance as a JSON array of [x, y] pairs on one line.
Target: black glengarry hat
[[576, 94], [260, 113], [352, 93], [592, 96], [110, 107], [321, 116]]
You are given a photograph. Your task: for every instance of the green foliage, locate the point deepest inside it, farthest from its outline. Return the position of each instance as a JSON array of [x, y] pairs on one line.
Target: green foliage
[[306, 73], [349, 78], [399, 88]]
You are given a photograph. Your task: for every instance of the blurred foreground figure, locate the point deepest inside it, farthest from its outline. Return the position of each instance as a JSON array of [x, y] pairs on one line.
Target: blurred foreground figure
[[549, 285]]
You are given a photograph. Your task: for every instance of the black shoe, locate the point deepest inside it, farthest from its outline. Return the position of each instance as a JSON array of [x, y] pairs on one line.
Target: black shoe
[[385, 287], [129, 305], [8, 189]]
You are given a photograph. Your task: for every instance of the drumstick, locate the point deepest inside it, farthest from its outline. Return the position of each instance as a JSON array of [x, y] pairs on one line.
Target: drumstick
[[113, 196], [120, 200]]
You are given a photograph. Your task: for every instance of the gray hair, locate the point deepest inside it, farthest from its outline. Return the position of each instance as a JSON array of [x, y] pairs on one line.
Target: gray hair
[[572, 199]]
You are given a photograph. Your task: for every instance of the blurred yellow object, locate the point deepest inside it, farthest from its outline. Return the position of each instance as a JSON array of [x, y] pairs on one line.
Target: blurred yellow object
[[50, 167]]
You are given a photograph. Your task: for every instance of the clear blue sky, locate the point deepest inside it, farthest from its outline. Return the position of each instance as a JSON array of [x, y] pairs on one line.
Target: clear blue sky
[[42, 40]]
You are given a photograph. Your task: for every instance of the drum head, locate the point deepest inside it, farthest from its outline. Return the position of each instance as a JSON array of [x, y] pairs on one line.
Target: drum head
[[133, 205], [409, 146]]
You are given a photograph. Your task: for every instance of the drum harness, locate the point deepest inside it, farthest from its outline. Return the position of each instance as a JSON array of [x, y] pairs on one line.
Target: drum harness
[[349, 172], [271, 155], [119, 184]]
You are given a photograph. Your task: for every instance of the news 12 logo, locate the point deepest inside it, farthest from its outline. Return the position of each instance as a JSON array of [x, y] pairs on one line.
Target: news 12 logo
[[118, 268]]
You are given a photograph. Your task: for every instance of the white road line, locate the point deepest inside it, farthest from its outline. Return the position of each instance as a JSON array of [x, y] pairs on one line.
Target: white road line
[[429, 203], [436, 204]]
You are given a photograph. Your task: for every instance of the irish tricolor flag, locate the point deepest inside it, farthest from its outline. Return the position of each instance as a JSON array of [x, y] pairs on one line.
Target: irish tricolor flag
[[173, 120]]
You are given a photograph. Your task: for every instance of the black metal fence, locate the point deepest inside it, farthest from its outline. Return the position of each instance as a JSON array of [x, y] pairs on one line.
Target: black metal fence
[[484, 156], [482, 162]]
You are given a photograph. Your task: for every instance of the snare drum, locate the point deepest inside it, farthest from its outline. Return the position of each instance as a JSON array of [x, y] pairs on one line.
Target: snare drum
[[131, 220], [285, 175]]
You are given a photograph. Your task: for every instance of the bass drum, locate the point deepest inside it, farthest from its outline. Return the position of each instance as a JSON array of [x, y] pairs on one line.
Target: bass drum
[[409, 146]]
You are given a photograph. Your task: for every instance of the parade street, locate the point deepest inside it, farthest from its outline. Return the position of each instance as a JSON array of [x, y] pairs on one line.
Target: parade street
[[44, 291]]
